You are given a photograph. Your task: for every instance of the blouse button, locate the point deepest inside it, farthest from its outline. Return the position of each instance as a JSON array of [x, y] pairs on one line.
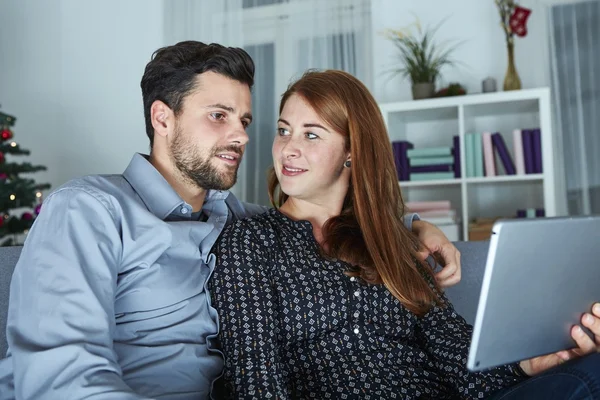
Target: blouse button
[[356, 314], [356, 330], [357, 293], [352, 279]]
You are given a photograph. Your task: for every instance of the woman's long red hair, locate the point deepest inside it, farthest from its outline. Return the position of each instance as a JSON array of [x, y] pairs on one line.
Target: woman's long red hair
[[369, 233]]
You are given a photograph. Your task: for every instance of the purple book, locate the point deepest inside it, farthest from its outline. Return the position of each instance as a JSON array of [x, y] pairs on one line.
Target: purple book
[[400, 158], [540, 212], [456, 153], [521, 214], [528, 151], [500, 146], [432, 168], [536, 139]]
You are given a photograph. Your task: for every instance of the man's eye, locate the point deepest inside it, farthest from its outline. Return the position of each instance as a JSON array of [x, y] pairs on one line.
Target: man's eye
[[218, 116], [245, 124]]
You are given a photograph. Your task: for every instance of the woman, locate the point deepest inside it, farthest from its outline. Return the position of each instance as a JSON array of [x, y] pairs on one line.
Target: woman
[[325, 296]]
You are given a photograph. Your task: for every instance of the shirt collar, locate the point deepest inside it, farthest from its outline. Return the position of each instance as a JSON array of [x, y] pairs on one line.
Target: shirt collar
[[154, 190]]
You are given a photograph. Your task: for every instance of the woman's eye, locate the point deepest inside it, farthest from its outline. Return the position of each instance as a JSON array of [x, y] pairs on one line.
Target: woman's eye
[[282, 131], [310, 135]]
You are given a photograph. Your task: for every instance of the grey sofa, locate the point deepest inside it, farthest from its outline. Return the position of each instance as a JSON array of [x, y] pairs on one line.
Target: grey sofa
[[464, 296]]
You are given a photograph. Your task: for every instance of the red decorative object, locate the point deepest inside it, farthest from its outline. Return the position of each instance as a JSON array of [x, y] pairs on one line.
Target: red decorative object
[[6, 134], [3, 176], [1, 161], [27, 216], [518, 20], [1, 221], [37, 209]]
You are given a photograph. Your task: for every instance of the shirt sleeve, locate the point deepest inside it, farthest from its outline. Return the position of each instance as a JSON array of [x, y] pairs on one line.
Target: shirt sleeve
[[61, 312], [246, 302], [409, 219], [446, 337]]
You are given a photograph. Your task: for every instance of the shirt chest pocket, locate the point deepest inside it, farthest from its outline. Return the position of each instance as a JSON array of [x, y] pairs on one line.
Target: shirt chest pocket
[[161, 283]]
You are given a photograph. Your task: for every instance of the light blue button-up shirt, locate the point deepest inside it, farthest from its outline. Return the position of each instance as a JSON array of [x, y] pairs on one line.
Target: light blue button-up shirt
[[109, 300]]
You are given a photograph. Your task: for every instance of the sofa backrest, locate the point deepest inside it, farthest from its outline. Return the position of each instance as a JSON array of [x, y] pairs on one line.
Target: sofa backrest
[[464, 296], [8, 259]]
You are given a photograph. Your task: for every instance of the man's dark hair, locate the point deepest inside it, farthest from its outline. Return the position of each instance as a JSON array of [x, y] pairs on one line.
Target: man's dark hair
[[171, 73]]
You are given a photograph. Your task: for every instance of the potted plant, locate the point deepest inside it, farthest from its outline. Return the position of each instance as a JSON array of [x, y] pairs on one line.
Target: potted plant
[[421, 58]]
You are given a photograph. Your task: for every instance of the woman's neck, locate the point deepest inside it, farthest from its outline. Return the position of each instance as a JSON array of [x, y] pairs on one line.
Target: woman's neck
[[316, 214]]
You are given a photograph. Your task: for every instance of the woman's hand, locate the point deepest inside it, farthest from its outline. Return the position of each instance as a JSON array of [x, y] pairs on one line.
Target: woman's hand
[[437, 245], [586, 345]]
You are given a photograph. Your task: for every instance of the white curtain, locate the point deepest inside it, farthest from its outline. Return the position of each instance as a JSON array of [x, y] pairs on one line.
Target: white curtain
[[284, 37], [575, 65]]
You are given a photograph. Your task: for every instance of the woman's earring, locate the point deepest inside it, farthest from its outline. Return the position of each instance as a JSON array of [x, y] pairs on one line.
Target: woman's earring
[[347, 164]]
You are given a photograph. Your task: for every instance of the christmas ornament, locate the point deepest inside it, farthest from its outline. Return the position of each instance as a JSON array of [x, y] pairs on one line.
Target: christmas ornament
[[3, 176], [37, 209], [27, 216], [6, 134], [518, 20], [1, 157], [1, 222]]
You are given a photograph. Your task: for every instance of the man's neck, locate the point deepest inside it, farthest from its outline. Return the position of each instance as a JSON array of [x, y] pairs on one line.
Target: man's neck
[[185, 188]]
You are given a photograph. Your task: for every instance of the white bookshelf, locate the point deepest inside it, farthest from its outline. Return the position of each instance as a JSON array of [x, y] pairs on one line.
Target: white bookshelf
[[433, 123]]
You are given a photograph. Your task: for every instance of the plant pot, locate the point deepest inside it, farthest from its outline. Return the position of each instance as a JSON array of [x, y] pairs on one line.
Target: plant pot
[[423, 90]]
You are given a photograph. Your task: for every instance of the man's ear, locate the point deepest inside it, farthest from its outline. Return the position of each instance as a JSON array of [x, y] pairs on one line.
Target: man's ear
[[162, 118]]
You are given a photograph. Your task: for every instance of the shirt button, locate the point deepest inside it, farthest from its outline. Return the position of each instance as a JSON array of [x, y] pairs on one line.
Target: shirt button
[[356, 314], [352, 279], [357, 293], [356, 330], [184, 210]]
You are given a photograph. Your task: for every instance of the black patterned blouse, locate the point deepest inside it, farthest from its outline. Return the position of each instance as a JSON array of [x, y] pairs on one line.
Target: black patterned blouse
[[294, 326]]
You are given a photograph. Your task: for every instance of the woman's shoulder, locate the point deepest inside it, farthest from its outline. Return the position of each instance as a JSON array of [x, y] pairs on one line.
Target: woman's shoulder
[[259, 228]]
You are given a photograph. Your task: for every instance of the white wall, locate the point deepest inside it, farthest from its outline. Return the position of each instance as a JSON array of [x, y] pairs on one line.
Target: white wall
[[70, 73], [476, 23]]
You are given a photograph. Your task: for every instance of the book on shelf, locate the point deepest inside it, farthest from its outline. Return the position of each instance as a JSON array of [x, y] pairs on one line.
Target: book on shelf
[[536, 138], [400, 149], [456, 154], [518, 151], [439, 213], [527, 138], [430, 176], [478, 150], [421, 161], [422, 206], [429, 152], [531, 213], [502, 150], [433, 168], [488, 154]]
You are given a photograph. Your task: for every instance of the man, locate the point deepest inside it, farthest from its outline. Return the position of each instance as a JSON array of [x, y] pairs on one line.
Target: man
[[108, 300]]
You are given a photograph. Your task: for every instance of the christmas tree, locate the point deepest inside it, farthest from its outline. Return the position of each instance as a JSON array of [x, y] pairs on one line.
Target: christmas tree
[[20, 197]]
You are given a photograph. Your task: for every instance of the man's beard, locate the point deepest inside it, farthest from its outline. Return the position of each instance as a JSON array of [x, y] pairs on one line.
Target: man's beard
[[196, 165]]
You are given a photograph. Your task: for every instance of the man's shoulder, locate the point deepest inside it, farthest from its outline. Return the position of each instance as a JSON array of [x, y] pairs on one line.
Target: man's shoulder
[[99, 186], [108, 190]]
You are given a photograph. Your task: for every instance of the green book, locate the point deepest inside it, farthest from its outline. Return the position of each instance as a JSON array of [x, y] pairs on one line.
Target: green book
[[430, 176], [421, 161], [469, 156], [429, 152]]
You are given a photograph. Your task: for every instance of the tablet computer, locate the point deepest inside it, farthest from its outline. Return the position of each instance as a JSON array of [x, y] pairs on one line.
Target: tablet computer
[[541, 275]]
